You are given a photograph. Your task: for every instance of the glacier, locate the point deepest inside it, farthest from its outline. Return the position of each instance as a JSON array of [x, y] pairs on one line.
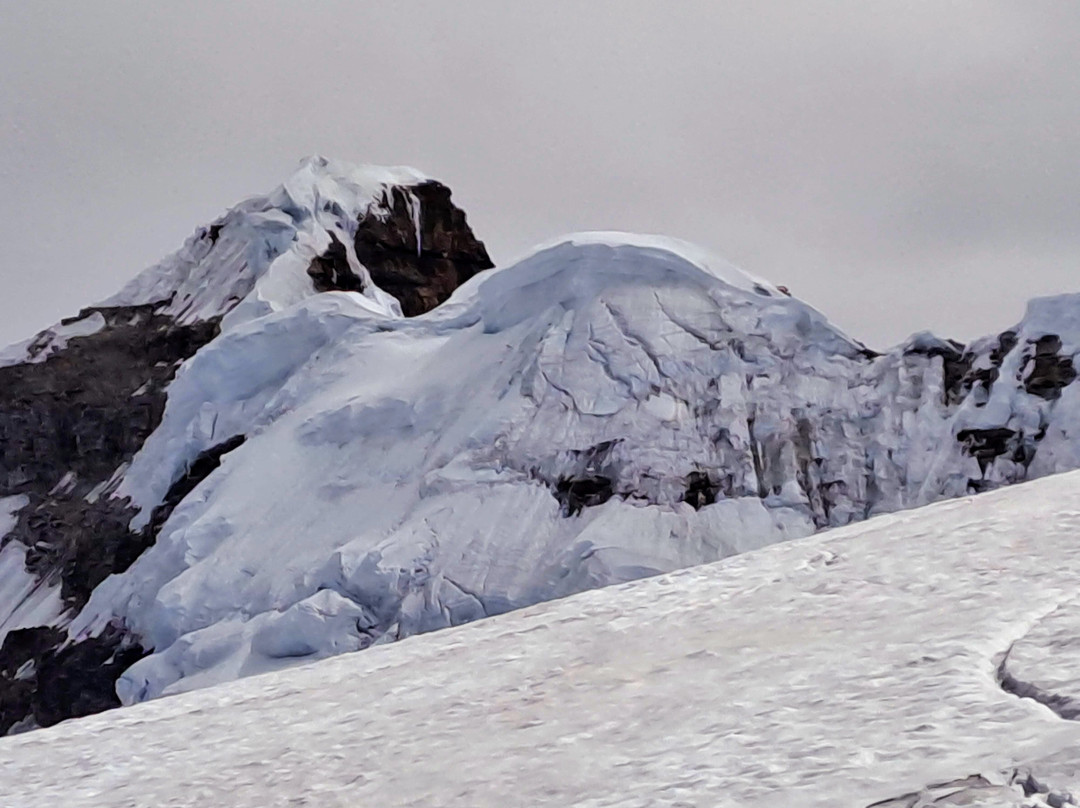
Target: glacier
[[327, 474]]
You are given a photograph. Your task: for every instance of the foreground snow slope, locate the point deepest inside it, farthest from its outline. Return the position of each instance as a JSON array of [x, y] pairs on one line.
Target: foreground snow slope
[[857, 666]]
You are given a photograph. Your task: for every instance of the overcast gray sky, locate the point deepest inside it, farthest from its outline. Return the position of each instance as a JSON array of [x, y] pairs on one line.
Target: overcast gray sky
[[900, 165]]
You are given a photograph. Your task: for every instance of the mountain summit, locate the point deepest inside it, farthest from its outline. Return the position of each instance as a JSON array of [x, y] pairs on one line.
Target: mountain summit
[[323, 425]]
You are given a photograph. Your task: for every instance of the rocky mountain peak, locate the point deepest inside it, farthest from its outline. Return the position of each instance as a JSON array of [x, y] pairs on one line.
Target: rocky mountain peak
[[78, 400]]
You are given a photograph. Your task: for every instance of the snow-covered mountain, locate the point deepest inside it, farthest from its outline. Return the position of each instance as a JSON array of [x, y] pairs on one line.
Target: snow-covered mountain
[[321, 426], [875, 665]]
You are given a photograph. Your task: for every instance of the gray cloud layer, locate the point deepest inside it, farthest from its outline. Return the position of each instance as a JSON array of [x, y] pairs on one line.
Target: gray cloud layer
[[901, 165]]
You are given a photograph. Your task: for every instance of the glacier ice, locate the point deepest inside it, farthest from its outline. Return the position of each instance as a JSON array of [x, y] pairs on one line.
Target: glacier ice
[[610, 407], [537, 435]]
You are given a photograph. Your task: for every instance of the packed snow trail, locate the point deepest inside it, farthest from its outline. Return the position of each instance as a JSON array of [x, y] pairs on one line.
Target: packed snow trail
[[844, 669]]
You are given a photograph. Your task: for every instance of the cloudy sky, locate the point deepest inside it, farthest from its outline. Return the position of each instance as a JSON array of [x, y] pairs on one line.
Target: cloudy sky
[[901, 165]]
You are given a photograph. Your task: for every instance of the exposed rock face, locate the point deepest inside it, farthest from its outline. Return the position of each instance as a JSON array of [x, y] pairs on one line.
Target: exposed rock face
[[55, 681], [1049, 370], [69, 423], [90, 406], [331, 271], [420, 259], [68, 426], [419, 250]]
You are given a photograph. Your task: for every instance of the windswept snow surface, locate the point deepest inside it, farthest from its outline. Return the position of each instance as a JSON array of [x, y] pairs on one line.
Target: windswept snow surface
[[552, 428], [846, 669]]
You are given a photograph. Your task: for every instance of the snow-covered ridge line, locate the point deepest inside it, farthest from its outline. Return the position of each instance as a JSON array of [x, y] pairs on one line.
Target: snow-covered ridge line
[[691, 253], [274, 236]]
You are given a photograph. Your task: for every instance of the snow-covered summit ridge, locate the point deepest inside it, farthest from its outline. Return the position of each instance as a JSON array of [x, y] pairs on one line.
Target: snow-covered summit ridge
[[254, 258], [262, 247], [575, 271], [692, 253], [318, 179]]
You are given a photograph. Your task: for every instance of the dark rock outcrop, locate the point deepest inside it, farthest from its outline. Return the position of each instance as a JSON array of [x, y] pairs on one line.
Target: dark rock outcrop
[[577, 493], [69, 423], [700, 490], [581, 478], [80, 679], [987, 444], [90, 406], [1050, 371], [331, 271], [423, 250], [199, 469], [46, 680]]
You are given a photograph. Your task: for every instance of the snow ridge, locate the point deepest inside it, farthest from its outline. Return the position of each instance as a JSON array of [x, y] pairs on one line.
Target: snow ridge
[[262, 247], [595, 413]]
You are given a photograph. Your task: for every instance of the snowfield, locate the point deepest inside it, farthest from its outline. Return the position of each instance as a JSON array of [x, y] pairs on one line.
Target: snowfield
[[858, 666]]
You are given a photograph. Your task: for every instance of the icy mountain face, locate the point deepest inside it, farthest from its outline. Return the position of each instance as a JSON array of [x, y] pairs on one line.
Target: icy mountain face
[[78, 400], [327, 474]]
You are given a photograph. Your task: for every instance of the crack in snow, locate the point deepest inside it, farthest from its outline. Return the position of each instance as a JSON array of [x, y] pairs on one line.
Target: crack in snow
[[693, 332], [1064, 706]]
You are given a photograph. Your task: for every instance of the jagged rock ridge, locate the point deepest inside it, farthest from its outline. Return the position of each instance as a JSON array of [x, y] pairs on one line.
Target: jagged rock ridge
[[326, 474]]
